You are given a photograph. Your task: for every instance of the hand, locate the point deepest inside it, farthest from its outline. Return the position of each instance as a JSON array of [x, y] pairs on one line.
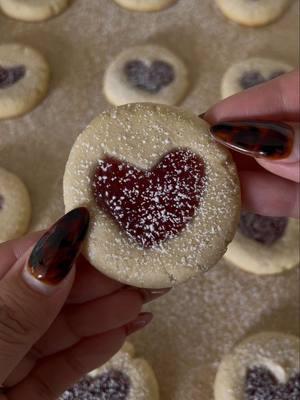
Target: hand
[[56, 325], [268, 187]]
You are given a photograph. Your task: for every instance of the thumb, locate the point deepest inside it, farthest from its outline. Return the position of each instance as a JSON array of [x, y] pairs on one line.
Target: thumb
[[36, 287]]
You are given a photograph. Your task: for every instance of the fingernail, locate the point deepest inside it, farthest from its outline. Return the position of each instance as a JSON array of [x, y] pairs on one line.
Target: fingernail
[[142, 320], [54, 254], [153, 294], [270, 140]]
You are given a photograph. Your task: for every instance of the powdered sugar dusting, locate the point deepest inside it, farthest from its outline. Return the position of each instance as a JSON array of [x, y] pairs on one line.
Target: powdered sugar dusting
[[151, 206], [140, 135]]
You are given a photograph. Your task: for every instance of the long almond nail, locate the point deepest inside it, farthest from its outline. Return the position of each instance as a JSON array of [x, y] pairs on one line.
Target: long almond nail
[[270, 140], [54, 254], [142, 320]]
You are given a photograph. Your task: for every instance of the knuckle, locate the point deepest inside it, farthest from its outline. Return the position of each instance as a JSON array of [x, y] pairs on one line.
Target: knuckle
[[15, 323]]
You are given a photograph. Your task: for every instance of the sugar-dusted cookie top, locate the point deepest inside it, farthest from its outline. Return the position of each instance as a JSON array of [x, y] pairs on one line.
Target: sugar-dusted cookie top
[[164, 198]]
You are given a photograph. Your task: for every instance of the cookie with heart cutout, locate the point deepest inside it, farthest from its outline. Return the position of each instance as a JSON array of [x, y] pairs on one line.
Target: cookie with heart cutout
[[265, 366], [163, 196], [24, 79], [147, 73], [15, 206], [253, 12], [251, 72], [145, 5], [124, 377], [265, 245], [33, 10]]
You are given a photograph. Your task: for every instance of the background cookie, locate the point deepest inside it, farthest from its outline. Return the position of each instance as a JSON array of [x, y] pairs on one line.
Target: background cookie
[[264, 366], [24, 79], [124, 377], [180, 237], [265, 245], [145, 5], [251, 72], [251, 12], [15, 207], [33, 10], [146, 73]]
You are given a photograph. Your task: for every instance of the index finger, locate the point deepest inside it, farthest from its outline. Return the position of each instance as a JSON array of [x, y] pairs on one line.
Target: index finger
[[275, 100]]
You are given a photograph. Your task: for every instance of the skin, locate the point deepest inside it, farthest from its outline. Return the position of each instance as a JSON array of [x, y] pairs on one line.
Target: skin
[[48, 342], [261, 180]]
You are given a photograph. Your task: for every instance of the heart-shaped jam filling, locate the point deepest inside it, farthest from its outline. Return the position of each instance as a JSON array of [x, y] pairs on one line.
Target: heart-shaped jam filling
[[253, 78], [261, 384], [1, 202], [111, 385], [266, 230], [151, 205], [149, 78], [10, 76]]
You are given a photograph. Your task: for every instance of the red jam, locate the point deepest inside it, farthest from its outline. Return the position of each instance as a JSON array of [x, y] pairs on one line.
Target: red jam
[[153, 205]]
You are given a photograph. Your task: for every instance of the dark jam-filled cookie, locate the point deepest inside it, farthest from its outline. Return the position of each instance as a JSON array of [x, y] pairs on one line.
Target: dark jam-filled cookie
[[124, 377], [163, 196], [15, 207], [146, 73], [110, 385], [24, 79], [251, 72], [151, 78], [265, 245], [261, 384], [11, 75], [263, 367], [262, 229]]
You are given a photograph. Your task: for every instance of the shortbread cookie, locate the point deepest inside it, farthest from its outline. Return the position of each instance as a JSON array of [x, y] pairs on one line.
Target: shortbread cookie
[[24, 79], [15, 207], [263, 367], [163, 196], [124, 377], [265, 245], [33, 10], [145, 5], [146, 74], [251, 72], [253, 12]]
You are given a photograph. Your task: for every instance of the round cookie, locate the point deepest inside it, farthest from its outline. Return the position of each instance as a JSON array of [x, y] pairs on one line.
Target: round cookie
[[265, 245], [253, 12], [24, 79], [33, 10], [124, 377], [148, 73], [15, 207], [145, 5], [263, 367], [251, 72], [163, 196]]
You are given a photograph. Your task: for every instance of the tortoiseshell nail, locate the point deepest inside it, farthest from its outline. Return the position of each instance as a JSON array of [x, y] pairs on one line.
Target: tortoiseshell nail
[[271, 140], [54, 254]]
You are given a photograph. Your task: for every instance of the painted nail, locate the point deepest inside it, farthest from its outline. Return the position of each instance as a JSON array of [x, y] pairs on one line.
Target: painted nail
[[142, 320], [153, 294], [271, 140], [54, 254]]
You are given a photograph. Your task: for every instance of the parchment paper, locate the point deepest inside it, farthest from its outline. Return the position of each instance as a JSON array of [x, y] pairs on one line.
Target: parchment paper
[[197, 323]]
